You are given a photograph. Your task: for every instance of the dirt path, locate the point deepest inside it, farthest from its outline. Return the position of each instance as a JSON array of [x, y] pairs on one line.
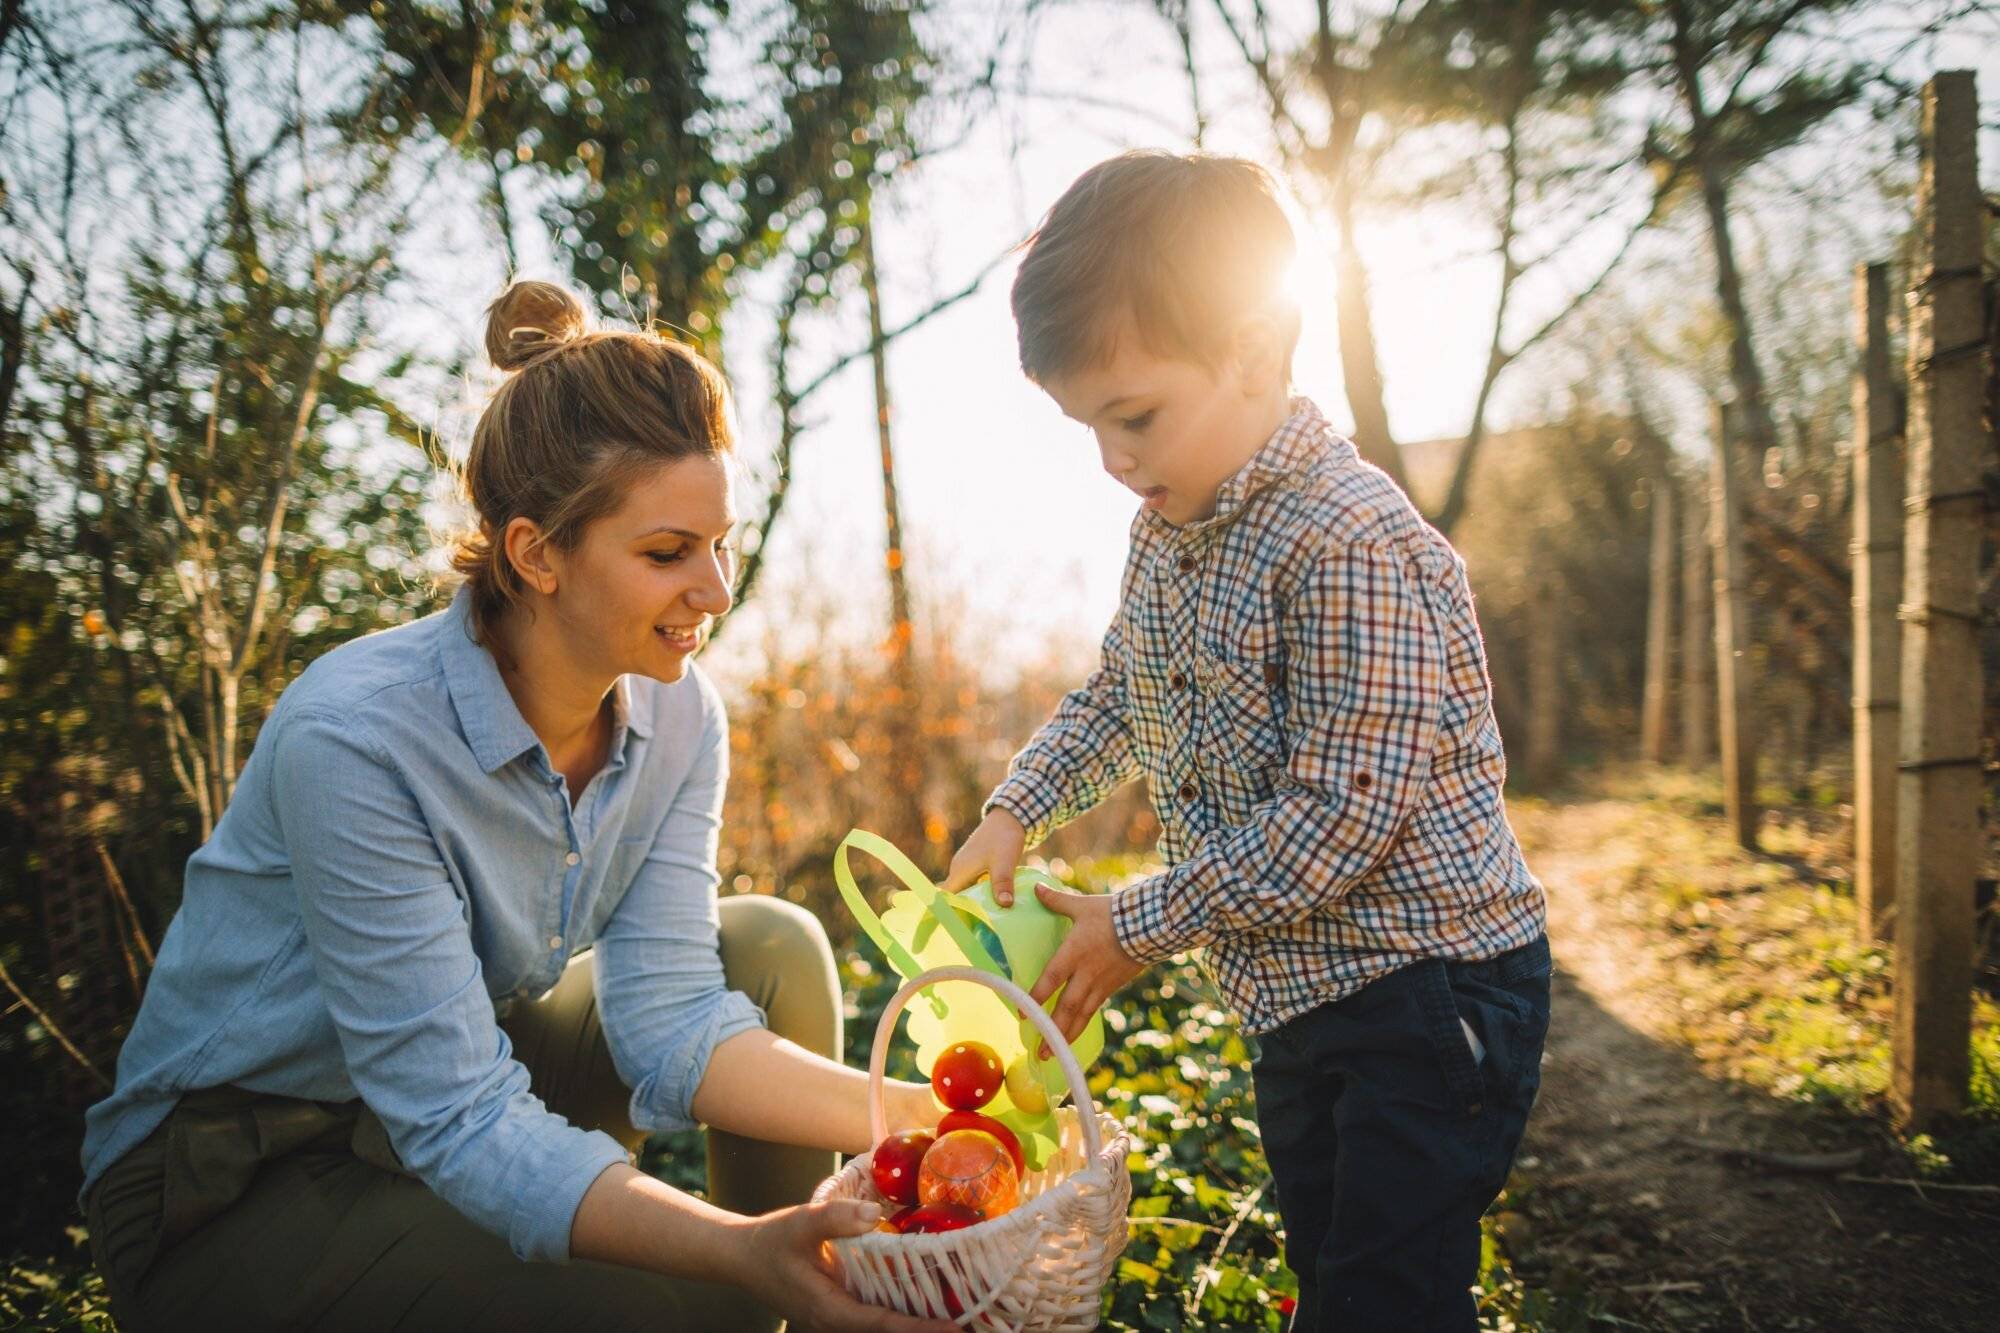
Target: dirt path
[[1629, 1198]]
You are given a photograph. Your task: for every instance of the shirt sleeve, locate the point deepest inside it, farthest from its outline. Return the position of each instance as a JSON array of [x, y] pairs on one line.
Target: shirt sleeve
[[1365, 667], [1082, 754], [660, 987], [392, 950]]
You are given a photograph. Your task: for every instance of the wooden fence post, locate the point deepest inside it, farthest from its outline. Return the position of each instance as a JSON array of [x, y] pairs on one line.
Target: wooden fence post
[[1732, 636], [1659, 623], [1877, 552], [1938, 843], [1697, 633]]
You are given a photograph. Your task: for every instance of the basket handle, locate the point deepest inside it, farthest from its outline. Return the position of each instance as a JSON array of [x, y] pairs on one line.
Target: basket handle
[[878, 1058]]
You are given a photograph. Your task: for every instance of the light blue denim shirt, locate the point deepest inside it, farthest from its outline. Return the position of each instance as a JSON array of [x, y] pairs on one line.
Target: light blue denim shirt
[[399, 855]]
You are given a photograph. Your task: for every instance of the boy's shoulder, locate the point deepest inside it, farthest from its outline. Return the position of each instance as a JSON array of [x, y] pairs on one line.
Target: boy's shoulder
[[1340, 501]]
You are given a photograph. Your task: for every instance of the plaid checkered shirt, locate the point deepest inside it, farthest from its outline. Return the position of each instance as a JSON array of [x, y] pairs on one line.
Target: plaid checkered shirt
[[1301, 680]]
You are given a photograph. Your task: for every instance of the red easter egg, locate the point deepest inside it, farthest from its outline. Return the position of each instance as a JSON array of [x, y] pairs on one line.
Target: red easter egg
[[967, 1075], [985, 1124], [969, 1167], [893, 1165], [926, 1219]]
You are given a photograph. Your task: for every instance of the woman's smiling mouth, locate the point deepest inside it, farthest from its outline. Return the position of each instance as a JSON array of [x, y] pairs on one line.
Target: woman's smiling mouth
[[680, 638]]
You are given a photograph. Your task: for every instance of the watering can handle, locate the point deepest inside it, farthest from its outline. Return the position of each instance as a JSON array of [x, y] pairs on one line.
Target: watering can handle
[[927, 893]]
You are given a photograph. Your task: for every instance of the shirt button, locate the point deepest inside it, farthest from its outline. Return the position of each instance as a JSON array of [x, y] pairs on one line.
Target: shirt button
[[571, 859], [555, 941], [1187, 564], [1363, 780], [1187, 792], [1177, 680]]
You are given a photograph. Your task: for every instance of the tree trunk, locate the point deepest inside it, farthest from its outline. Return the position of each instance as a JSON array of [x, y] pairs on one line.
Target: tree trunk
[[1938, 836], [1360, 368], [1746, 377], [1697, 633], [1732, 638], [1659, 624], [1878, 578], [905, 732]]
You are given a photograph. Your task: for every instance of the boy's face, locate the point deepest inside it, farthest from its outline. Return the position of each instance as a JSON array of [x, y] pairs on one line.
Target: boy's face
[[1174, 430]]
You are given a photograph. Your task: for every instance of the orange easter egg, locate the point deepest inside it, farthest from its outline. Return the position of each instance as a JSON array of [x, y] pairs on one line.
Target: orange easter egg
[[969, 1167]]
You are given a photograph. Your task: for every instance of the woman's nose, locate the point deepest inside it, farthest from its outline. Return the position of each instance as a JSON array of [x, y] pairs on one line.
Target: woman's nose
[[713, 594]]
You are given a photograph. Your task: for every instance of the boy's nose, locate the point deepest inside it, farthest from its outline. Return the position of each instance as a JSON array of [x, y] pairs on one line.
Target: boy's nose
[[1116, 461]]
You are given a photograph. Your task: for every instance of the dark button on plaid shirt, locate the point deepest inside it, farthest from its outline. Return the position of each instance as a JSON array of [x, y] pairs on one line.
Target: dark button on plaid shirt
[[1301, 680]]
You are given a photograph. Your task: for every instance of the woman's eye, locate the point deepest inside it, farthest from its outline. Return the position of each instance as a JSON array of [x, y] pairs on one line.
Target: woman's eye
[[1139, 423], [665, 557]]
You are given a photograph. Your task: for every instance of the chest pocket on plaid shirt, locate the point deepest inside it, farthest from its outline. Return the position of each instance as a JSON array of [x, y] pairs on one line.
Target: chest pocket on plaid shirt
[[1243, 735]]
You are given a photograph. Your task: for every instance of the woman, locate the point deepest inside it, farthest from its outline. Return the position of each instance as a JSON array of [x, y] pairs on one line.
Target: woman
[[342, 1104]]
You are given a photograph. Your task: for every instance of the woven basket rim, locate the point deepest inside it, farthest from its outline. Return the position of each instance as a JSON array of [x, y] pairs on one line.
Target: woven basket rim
[[1057, 1195]]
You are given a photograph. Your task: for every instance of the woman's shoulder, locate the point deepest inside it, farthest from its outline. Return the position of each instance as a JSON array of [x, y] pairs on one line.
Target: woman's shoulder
[[344, 681]]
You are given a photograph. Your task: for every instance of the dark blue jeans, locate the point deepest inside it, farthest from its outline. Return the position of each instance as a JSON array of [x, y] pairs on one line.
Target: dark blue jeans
[[1387, 1140]]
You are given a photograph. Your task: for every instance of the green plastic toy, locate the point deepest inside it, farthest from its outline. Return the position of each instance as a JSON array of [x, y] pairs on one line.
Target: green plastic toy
[[924, 927]]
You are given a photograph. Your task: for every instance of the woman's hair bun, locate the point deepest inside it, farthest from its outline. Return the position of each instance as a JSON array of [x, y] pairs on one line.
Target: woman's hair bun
[[528, 320]]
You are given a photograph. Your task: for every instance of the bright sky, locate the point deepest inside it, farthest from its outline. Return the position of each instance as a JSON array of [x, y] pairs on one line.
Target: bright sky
[[1011, 521], [1013, 529]]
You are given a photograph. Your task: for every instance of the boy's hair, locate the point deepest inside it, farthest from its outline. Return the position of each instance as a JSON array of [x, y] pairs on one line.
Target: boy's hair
[[1184, 244]]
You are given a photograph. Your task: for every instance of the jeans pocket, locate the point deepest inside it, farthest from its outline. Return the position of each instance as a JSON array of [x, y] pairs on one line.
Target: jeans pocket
[[1464, 1071], [1512, 1021]]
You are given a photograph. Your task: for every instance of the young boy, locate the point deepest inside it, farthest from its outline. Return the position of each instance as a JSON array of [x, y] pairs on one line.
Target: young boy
[[1296, 669]]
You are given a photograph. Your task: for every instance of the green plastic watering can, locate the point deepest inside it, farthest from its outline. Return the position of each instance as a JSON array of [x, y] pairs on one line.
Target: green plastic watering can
[[924, 927]]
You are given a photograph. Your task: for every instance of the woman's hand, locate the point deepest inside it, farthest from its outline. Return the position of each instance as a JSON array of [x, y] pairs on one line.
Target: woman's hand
[[786, 1260], [994, 848]]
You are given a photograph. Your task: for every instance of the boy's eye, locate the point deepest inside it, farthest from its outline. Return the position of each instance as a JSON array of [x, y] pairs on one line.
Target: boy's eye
[[1138, 423]]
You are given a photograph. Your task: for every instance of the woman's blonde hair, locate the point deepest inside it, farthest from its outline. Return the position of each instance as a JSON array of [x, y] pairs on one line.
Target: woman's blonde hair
[[579, 416]]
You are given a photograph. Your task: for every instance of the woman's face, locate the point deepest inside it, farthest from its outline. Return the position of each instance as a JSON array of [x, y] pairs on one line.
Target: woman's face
[[640, 592]]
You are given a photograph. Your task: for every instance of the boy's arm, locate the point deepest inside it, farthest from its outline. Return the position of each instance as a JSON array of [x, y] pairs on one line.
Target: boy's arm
[[1366, 666], [1082, 754]]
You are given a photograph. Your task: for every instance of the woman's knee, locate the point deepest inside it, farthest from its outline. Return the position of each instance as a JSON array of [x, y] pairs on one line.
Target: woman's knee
[[777, 953]]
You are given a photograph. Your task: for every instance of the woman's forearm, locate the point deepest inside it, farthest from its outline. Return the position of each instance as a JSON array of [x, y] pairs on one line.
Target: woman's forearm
[[627, 1217], [762, 1086]]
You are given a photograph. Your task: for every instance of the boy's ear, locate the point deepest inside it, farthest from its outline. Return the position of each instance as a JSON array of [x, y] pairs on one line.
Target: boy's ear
[[1260, 355], [527, 551]]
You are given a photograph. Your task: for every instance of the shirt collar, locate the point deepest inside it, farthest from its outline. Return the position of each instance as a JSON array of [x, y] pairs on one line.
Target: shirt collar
[[487, 714], [492, 724], [624, 715], [1292, 448]]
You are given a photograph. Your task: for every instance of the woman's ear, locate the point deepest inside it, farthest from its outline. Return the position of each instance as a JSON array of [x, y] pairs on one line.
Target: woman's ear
[[1260, 355], [528, 553]]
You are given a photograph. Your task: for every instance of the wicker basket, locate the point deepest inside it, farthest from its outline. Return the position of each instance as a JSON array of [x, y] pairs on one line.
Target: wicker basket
[[1042, 1265]]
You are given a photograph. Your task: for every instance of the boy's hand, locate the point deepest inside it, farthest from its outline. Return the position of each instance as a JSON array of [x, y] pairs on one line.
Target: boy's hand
[[994, 848], [1090, 960]]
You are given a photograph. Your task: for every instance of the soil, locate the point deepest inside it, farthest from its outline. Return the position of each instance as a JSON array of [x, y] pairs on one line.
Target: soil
[[1629, 1196]]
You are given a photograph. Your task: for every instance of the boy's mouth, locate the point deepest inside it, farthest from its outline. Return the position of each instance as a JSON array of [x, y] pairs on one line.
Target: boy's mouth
[[1154, 496]]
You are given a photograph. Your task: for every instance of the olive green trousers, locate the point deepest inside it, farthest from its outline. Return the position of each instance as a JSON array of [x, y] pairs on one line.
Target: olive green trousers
[[251, 1211]]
